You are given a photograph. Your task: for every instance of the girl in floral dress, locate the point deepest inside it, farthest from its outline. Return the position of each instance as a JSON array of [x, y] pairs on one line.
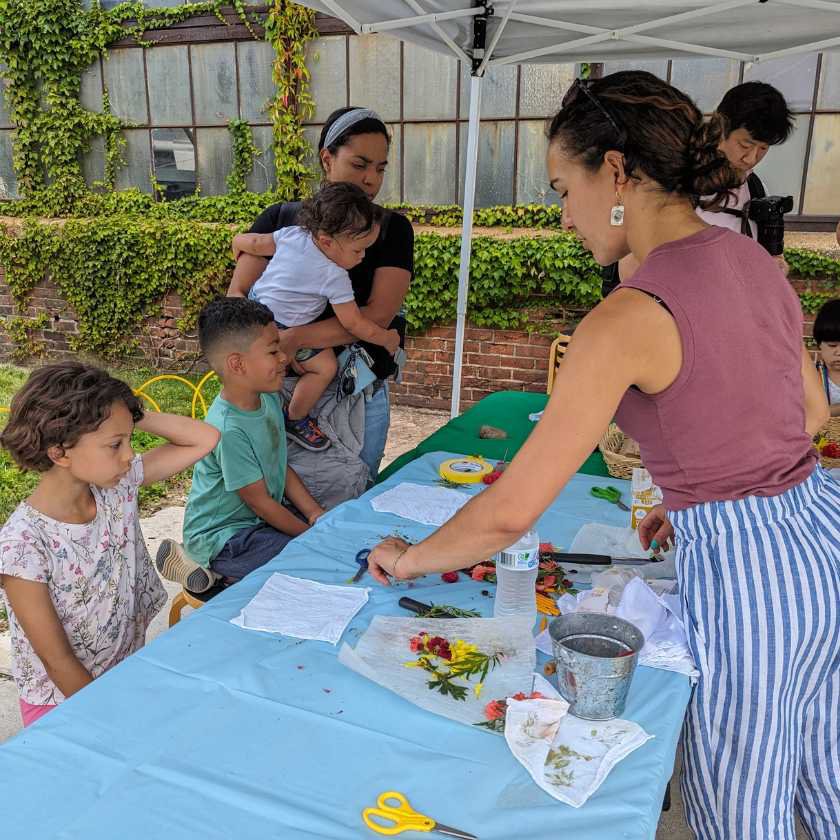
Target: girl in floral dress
[[79, 587]]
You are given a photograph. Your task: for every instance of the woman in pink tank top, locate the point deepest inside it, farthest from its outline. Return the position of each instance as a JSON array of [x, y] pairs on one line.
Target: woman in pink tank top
[[700, 358]]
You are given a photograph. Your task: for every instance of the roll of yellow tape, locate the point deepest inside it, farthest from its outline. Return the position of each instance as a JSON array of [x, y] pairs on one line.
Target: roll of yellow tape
[[468, 469]]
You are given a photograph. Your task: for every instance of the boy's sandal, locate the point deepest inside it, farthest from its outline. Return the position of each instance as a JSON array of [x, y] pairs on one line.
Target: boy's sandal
[[173, 563], [307, 434]]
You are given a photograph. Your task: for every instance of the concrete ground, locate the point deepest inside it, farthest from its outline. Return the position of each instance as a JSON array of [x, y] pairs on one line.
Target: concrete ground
[[409, 426]]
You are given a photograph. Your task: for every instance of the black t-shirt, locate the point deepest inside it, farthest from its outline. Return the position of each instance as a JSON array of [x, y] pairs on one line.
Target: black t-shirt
[[393, 249]]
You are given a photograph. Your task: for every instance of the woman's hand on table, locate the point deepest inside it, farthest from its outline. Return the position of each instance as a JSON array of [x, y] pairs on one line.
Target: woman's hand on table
[[387, 560], [655, 530]]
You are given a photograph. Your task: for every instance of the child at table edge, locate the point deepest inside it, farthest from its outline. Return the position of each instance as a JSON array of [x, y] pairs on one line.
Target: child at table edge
[[235, 519], [827, 337], [75, 572]]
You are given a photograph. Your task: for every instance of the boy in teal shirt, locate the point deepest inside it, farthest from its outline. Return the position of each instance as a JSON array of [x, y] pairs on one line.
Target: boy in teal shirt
[[235, 520]]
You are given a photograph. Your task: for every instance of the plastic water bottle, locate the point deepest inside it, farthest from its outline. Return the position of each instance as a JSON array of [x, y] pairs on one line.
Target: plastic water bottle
[[516, 577]]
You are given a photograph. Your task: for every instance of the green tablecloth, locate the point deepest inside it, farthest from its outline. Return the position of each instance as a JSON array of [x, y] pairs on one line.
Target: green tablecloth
[[506, 410]]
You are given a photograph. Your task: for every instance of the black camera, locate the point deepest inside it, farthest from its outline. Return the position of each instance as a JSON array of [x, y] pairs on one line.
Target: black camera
[[769, 214]]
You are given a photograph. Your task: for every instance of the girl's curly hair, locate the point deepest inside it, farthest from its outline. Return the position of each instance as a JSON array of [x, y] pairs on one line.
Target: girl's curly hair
[[58, 404]]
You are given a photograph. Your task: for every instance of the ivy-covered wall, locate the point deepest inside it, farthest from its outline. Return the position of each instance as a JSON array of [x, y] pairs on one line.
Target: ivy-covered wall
[[113, 272], [48, 46]]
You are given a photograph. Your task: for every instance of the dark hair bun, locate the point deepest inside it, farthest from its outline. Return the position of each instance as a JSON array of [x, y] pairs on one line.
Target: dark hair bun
[[709, 173], [657, 128]]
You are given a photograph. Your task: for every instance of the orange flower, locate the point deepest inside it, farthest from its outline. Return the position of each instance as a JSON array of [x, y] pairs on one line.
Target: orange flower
[[495, 709]]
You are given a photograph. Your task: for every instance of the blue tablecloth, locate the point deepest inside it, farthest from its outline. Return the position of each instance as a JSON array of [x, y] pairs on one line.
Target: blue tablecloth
[[212, 731]]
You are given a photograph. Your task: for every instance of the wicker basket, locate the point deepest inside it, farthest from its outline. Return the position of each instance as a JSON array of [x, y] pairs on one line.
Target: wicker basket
[[621, 453], [832, 431]]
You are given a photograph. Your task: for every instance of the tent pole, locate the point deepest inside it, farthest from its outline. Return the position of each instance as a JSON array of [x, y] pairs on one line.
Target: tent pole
[[466, 238]]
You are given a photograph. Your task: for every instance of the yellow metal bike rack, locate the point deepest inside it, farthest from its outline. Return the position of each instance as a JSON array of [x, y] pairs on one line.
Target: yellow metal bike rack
[[197, 398], [196, 389]]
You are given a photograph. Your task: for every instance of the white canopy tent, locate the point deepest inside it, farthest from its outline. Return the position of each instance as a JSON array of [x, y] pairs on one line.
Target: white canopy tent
[[484, 34]]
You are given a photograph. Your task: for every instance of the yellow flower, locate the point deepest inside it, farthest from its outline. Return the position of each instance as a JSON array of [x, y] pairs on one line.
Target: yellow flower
[[477, 689], [460, 650]]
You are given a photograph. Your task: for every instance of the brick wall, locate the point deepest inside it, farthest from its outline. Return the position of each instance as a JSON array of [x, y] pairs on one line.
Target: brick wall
[[494, 360]]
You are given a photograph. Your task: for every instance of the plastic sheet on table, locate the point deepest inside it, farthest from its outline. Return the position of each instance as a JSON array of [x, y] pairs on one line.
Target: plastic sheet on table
[[384, 649]]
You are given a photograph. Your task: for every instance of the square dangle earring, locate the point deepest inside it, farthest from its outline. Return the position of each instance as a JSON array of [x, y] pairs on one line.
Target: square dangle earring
[[617, 212]]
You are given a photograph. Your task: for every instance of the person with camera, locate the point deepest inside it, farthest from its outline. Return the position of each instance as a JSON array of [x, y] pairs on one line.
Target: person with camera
[[757, 117]]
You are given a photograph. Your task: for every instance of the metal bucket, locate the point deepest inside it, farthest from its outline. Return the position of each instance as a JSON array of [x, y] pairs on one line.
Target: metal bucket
[[596, 655]]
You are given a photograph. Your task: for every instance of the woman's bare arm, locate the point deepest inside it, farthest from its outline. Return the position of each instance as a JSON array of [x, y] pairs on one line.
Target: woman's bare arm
[[613, 349]]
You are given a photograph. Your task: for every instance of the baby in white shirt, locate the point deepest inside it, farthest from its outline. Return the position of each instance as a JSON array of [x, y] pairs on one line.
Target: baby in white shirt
[[308, 269]]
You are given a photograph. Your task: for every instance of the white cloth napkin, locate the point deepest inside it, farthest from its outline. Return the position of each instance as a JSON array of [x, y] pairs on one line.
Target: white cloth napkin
[[302, 608], [567, 757], [656, 613], [421, 503]]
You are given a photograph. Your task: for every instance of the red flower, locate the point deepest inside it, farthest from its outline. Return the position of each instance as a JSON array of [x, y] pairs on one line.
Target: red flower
[[439, 646], [495, 709], [567, 583], [449, 577], [549, 580], [415, 643], [479, 572], [546, 546], [520, 695], [548, 565]]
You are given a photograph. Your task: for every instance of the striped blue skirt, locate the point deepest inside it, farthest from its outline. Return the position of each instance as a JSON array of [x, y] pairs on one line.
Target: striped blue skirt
[[760, 582]]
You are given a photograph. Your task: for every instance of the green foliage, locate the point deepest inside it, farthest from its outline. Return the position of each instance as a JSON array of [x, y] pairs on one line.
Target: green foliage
[[244, 154], [452, 215], [812, 302], [289, 28], [20, 330], [114, 145], [115, 271], [508, 278], [822, 273], [813, 265], [45, 46], [242, 206]]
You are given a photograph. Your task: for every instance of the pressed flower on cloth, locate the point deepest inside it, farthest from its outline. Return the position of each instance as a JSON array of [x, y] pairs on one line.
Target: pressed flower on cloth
[[100, 579], [451, 667], [567, 757], [496, 710]]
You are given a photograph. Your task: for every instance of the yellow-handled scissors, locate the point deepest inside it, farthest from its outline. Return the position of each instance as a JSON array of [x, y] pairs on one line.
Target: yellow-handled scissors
[[393, 815]]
